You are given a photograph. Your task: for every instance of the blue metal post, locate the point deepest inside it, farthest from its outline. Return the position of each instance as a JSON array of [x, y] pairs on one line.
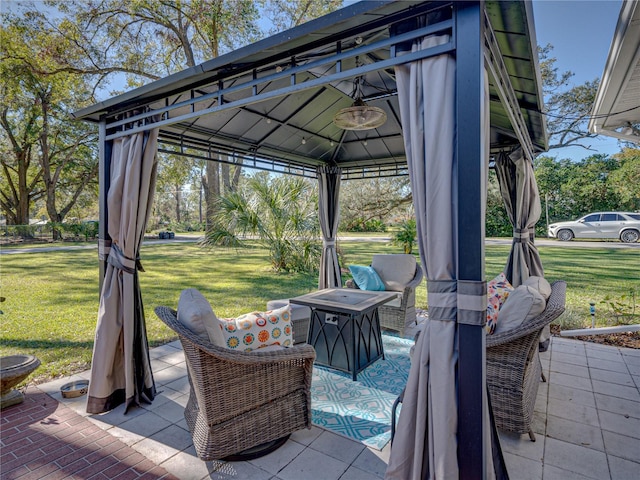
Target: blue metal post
[[470, 144]]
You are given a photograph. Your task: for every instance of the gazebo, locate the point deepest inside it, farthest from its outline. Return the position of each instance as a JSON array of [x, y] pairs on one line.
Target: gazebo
[[459, 84]]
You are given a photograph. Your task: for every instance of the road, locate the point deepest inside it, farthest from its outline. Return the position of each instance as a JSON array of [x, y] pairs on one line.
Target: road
[[540, 242]]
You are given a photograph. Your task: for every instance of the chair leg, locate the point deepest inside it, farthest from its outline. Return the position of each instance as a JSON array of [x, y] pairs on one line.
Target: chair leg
[[542, 377], [393, 414], [532, 435]]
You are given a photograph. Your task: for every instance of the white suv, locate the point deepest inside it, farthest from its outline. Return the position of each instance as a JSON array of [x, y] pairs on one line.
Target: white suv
[[622, 225]]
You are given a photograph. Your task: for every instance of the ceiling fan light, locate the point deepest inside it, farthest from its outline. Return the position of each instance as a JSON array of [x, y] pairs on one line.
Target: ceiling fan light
[[359, 116]]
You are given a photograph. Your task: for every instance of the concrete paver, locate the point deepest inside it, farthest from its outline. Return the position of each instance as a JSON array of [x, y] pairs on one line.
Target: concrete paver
[[586, 424]]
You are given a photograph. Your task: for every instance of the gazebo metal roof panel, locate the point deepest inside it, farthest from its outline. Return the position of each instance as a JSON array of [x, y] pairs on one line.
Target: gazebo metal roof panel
[[261, 101]]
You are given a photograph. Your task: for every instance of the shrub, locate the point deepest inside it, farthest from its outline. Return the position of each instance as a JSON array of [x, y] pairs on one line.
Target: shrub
[[279, 213], [362, 225], [406, 236]]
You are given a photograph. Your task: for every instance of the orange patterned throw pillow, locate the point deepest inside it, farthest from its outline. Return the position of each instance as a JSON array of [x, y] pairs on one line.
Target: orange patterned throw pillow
[[498, 290], [255, 330]]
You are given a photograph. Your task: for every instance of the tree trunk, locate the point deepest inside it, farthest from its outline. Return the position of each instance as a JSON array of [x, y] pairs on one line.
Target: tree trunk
[[17, 199], [236, 175], [226, 178], [212, 192], [201, 196], [49, 183], [178, 197], [24, 197]]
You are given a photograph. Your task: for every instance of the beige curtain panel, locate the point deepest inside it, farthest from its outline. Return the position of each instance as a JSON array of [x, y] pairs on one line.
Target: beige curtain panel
[[522, 201], [425, 445], [120, 368], [329, 217]]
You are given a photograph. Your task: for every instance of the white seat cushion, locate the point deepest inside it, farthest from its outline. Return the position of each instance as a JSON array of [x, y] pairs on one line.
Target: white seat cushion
[[195, 313], [268, 348], [396, 302], [298, 312]]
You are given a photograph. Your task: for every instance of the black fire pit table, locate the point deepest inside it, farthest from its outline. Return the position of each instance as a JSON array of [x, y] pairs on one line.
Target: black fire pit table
[[344, 327]]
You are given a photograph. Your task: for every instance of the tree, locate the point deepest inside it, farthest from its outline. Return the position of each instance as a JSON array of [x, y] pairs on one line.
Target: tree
[[551, 175], [626, 179], [280, 212], [149, 39], [567, 110], [46, 155], [590, 186], [596, 183], [173, 173], [374, 199], [285, 14], [497, 223], [406, 236]]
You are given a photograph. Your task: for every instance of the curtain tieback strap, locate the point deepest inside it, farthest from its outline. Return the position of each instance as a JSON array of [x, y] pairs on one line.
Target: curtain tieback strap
[[521, 235], [442, 299], [464, 300], [328, 243], [120, 261], [472, 302], [104, 247]]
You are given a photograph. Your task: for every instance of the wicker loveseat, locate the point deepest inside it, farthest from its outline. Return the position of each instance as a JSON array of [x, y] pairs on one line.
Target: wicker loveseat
[[513, 366], [399, 272], [240, 400]]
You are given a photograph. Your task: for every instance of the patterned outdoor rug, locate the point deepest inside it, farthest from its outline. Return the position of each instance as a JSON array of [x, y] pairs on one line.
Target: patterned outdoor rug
[[362, 410]]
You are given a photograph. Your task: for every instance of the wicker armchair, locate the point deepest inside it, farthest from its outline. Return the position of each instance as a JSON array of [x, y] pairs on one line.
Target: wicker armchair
[[397, 314], [514, 370], [240, 400]]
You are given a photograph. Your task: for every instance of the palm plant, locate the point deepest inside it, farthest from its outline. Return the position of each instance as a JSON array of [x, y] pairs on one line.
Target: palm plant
[[406, 236], [277, 212]]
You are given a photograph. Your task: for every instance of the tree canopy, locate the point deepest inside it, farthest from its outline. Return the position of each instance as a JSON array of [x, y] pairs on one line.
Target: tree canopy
[[44, 154], [57, 55], [567, 107]]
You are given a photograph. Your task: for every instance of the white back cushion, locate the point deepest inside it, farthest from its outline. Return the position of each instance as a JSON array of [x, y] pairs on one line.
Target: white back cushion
[[540, 284], [522, 305], [395, 270], [195, 313]]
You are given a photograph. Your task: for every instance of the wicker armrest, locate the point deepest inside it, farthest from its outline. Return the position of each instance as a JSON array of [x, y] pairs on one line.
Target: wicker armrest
[[417, 278], [555, 307]]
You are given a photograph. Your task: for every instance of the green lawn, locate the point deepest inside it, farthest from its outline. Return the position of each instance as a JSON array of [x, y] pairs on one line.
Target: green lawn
[[52, 298]]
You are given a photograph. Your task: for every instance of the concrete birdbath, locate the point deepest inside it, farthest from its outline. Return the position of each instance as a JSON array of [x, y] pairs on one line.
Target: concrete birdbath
[[13, 370]]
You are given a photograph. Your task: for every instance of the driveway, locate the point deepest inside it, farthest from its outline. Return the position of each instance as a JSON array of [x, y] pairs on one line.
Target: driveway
[[552, 242], [540, 242]]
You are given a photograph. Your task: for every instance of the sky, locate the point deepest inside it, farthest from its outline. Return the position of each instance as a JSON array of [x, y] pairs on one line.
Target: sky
[[581, 32]]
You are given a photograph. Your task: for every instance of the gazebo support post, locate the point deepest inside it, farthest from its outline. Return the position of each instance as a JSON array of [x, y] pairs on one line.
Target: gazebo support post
[[104, 180], [471, 170]]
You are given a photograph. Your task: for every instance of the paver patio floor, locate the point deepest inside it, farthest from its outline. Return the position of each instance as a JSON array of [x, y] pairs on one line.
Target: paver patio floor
[[587, 423]]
